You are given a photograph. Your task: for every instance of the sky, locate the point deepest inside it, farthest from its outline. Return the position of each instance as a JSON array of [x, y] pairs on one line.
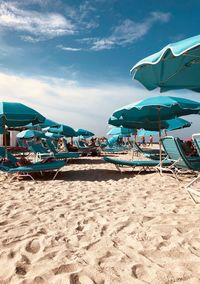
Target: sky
[[71, 59]]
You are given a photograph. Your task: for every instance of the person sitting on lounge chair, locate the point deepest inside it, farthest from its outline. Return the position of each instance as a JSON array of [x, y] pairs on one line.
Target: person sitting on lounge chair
[[71, 148], [189, 148]]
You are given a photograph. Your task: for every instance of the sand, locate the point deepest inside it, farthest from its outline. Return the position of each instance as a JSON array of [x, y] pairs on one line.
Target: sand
[[93, 225]]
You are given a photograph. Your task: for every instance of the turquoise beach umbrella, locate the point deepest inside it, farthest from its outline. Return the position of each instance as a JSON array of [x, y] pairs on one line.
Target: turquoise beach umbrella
[[17, 114], [121, 131], [151, 126], [53, 135], [154, 110], [84, 133], [65, 130], [28, 134], [144, 132], [157, 108], [46, 123], [176, 66]]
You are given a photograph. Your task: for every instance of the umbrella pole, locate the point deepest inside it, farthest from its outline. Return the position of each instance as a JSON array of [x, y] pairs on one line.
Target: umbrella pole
[[5, 138], [160, 150]]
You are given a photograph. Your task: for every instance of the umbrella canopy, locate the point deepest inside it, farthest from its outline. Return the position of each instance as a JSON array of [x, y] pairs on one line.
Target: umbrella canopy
[[53, 135], [46, 123], [27, 134], [176, 66], [17, 114], [121, 131], [65, 130], [84, 133], [169, 125], [157, 108], [144, 132]]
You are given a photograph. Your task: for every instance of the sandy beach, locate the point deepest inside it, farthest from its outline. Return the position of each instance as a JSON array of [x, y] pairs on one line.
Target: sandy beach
[[95, 225]]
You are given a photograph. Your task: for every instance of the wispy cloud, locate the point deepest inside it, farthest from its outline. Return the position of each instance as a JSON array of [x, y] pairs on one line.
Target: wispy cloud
[[83, 16], [38, 25], [128, 32], [69, 48], [65, 100]]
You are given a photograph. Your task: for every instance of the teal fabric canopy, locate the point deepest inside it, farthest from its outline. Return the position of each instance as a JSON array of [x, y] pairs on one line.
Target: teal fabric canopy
[[176, 66], [53, 135], [17, 114], [84, 133], [121, 131], [155, 109], [27, 134], [65, 130], [46, 123], [144, 132], [169, 125]]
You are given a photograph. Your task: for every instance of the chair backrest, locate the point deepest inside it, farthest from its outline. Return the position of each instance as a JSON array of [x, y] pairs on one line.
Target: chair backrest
[[80, 144], [136, 147], [37, 148], [50, 146], [174, 150], [65, 145], [20, 143], [196, 139], [55, 144], [9, 155], [113, 141]]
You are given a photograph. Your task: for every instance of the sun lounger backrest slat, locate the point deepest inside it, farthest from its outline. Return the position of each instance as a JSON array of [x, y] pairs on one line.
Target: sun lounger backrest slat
[[196, 140], [37, 148], [174, 152], [136, 148], [10, 157], [50, 146]]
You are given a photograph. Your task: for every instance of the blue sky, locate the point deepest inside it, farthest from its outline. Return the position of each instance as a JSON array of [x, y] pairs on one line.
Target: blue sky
[[71, 59]]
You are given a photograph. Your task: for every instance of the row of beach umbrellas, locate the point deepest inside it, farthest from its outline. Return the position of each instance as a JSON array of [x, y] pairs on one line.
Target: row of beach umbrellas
[[14, 115]]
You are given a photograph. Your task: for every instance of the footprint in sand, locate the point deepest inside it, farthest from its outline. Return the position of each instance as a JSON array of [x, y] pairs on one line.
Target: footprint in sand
[[38, 280], [3, 223], [138, 271], [33, 246], [20, 270], [66, 268]]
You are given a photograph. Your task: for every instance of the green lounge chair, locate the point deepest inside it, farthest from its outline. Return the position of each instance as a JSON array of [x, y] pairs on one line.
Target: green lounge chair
[[61, 155], [137, 149], [10, 167], [182, 163], [39, 151], [196, 139], [84, 149], [143, 164]]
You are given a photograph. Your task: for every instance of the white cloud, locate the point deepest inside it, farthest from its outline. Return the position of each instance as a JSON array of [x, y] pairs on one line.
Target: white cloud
[[67, 101], [81, 107], [68, 48], [129, 31], [38, 25]]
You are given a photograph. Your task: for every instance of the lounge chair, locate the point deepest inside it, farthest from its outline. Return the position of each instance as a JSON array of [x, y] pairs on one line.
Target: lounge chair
[[61, 155], [84, 149], [137, 149], [181, 162], [39, 151], [196, 139], [9, 166], [143, 164]]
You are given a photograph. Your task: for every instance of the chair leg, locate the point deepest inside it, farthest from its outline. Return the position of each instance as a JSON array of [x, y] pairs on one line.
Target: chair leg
[[56, 174], [22, 175], [192, 191]]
